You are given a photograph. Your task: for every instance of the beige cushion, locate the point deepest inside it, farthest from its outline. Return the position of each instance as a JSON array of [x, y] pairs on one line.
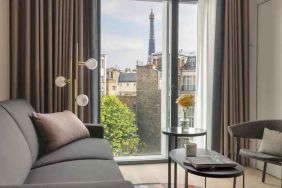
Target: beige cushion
[[271, 142], [59, 128]]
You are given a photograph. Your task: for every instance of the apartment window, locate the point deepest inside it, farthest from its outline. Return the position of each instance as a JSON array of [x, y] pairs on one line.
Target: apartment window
[[189, 83]]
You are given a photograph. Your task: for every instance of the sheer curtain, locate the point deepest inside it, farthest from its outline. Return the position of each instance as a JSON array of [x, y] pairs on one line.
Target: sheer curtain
[[205, 54]]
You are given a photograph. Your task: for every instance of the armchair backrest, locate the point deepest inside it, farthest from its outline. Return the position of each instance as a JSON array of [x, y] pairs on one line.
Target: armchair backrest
[[254, 129]]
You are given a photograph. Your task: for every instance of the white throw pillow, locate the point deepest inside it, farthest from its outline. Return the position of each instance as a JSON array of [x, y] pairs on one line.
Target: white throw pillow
[[271, 142]]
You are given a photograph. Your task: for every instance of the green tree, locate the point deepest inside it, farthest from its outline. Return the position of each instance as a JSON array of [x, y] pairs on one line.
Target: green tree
[[119, 123]]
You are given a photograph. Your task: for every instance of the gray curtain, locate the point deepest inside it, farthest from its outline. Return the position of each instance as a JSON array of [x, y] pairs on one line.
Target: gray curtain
[[231, 73], [44, 38]]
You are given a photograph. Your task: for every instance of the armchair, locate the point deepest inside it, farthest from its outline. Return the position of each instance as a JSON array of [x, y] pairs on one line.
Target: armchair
[[254, 130]]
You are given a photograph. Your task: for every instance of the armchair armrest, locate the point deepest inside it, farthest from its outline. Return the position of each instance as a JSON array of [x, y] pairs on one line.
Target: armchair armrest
[[110, 184], [95, 130]]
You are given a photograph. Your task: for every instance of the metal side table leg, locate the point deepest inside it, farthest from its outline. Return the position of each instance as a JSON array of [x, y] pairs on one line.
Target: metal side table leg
[[234, 183], [169, 162], [175, 174], [206, 141], [186, 179], [205, 182], [244, 180], [175, 164]]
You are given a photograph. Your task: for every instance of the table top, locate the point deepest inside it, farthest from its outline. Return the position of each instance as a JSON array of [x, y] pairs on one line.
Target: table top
[[179, 156], [178, 131]]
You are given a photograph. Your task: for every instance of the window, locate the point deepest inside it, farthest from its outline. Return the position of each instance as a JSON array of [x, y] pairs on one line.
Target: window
[[189, 83], [187, 54], [135, 35]]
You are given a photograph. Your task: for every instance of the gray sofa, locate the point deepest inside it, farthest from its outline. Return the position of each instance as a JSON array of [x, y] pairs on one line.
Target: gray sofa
[[86, 163]]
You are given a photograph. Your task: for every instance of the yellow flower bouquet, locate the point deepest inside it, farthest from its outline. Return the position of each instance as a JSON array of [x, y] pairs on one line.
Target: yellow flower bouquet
[[185, 101]]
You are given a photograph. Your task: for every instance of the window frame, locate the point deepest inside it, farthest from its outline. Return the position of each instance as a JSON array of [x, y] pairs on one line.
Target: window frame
[[171, 86]]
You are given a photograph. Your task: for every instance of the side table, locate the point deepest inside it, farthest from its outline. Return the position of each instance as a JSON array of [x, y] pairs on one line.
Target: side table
[[178, 132]]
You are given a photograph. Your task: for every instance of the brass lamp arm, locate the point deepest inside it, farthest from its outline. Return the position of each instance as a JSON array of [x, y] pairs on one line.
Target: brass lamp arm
[[81, 63], [68, 81]]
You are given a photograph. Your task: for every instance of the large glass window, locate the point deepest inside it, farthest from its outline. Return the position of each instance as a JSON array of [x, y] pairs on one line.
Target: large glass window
[[132, 42], [135, 43], [187, 60]]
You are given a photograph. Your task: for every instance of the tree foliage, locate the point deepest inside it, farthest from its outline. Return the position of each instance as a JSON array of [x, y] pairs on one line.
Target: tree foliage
[[120, 126]]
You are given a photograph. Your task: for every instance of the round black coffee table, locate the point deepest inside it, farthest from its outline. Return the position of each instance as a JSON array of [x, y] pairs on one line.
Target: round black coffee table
[[179, 156], [177, 132]]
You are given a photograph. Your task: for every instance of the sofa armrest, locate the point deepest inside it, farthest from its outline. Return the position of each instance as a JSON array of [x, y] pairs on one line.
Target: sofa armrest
[[95, 130], [109, 184]]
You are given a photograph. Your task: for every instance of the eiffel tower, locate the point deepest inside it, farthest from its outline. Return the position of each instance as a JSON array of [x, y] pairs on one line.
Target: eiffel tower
[[152, 36]]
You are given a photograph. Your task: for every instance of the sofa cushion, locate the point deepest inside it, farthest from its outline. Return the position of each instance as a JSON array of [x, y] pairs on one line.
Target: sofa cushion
[[76, 171], [60, 128], [21, 111], [88, 148], [15, 156]]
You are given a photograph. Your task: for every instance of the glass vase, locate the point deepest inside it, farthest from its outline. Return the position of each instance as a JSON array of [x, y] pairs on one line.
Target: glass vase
[[185, 122]]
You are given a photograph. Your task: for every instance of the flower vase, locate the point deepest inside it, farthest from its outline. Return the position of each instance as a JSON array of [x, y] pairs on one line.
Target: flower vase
[[185, 123]]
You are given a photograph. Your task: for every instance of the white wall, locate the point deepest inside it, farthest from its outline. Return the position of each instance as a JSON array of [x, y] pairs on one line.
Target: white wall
[[266, 64], [4, 50]]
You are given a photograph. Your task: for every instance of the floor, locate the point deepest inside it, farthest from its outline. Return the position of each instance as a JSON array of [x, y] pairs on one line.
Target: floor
[[157, 173]]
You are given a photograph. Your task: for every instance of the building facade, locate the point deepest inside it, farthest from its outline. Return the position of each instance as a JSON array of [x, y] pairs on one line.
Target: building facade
[[112, 75], [103, 74], [127, 84], [148, 108], [187, 75]]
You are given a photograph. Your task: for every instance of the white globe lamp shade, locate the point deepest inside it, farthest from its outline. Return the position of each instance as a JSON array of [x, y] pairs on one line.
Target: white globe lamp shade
[[91, 64], [60, 81], [82, 100]]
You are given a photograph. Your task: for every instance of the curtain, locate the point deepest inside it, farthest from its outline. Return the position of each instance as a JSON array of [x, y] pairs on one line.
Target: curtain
[[47, 36], [206, 33], [232, 102]]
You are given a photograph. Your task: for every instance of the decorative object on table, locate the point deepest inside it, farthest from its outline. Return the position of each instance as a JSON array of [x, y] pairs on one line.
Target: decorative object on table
[[209, 162], [191, 149], [186, 101], [61, 81]]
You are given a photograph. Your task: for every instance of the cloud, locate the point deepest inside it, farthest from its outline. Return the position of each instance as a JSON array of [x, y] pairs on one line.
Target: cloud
[[122, 43], [125, 30], [123, 51], [124, 59], [131, 11], [188, 27]]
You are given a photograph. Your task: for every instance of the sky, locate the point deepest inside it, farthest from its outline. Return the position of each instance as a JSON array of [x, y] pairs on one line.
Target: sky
[[125, 30]]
